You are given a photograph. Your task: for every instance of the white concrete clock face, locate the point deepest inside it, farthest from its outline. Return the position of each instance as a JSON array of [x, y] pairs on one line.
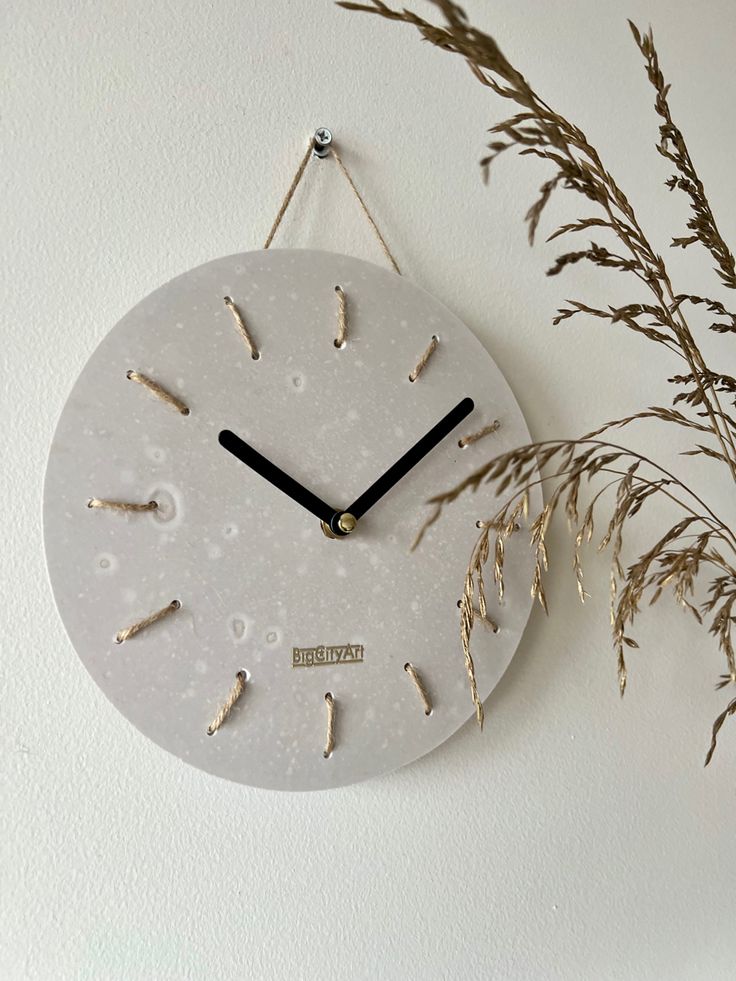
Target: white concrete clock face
[[312, 633]]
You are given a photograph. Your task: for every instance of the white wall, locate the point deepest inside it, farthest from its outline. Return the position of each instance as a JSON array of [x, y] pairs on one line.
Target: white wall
[[579, 837]]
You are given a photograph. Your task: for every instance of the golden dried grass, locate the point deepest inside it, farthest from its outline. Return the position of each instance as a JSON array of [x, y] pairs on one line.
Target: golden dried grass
[[699, 544]]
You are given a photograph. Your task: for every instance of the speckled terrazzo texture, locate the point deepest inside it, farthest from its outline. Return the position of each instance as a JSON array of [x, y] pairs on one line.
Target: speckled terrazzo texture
[[254, 574]]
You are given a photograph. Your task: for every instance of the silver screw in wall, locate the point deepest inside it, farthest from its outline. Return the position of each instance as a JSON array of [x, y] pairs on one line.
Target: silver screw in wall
[[322, 141]]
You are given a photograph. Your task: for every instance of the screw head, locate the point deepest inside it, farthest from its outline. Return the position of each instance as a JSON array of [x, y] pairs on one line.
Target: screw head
[[346, 523], [322, 140]]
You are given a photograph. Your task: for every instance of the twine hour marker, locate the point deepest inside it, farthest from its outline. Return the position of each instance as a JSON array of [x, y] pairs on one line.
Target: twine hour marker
[[422, 362], [226, 708], [488, 622], [419, 685], [474, 437], [135, 628], [342, 319], [159, 391], [330, 737], [101, 502], [242, 328]]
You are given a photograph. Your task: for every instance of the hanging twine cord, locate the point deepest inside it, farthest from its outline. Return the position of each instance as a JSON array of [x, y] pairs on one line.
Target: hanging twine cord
[[159, 391], [242, 328], [100, 502], [330, 735], [288, 196], [474, 437], [364, 207], [135, 628], [226, 708], [342, 317], [419, 685], [344, 170], [422, 362]]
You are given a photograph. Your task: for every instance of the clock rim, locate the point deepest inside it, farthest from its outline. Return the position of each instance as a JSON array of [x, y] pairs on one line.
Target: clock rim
[[537, 496]]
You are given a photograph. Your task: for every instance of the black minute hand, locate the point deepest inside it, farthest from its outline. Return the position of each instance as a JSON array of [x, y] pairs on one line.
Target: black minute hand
[[270, 472], [410, 459]]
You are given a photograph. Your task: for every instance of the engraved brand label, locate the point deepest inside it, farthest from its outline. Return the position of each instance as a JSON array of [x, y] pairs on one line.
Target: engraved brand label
[[312, 657]]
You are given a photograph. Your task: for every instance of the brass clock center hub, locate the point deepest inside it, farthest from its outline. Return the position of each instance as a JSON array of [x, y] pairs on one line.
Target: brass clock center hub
[[346, 523]]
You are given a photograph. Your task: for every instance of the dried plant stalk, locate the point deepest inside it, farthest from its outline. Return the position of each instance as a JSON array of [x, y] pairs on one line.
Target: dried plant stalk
[[699, 547]]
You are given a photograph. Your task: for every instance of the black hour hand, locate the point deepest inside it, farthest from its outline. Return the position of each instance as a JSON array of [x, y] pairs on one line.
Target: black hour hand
[[274, 475]]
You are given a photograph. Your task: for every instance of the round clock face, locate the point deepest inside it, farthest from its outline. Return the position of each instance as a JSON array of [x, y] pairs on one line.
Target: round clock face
[[231, 499]]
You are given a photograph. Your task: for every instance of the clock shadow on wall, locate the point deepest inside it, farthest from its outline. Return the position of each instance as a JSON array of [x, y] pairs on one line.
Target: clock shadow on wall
[[231, 498]]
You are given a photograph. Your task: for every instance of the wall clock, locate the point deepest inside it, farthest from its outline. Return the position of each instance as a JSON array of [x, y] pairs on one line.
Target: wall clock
[[231, 497]]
